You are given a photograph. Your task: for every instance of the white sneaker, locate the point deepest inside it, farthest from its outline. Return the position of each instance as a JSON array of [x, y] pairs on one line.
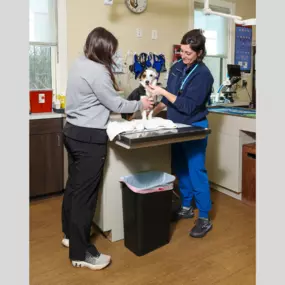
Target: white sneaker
[[65, 242], [92, 262]]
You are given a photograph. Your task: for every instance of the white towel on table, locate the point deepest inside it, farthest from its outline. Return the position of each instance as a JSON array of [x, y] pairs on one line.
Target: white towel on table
[[120, 126]]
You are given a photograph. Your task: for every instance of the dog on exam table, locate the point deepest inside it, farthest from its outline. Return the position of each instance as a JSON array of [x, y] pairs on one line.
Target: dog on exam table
[[148, 77]]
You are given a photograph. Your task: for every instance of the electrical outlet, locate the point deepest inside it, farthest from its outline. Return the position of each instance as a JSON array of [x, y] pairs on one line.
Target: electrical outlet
[[154, 34], [139, 33]]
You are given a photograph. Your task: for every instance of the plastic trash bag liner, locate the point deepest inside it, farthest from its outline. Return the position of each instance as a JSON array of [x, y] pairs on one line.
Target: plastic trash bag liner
[[147, 182]]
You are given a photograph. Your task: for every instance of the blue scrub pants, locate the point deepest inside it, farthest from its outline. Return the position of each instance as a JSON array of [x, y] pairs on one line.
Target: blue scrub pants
[[188, 163]]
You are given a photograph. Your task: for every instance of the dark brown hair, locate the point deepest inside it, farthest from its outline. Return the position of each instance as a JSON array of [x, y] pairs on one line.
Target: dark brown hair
[[197, 42], [100, 46]]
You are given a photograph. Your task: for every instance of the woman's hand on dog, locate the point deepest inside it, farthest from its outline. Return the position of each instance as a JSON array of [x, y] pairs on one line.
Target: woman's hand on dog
[[155, 90], [147, 103]]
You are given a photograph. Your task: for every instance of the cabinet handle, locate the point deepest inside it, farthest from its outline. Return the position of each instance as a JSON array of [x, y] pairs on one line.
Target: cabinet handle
[[251, 155], [58, 140]]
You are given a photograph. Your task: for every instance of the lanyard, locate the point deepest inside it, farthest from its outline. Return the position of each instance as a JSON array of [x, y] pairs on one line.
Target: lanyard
[[182, 85]]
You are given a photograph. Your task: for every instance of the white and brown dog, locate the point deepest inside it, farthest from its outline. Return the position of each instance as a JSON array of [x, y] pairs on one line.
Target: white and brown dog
[[148, 77]]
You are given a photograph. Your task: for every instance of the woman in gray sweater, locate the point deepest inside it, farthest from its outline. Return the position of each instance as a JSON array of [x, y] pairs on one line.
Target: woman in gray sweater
[[90, 97]]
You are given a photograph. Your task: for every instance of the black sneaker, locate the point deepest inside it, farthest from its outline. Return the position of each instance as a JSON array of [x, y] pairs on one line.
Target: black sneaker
[[202, 226], [186, 213]]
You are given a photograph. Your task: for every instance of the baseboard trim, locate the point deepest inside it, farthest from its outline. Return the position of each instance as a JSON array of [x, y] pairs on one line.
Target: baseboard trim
[[226, 191]]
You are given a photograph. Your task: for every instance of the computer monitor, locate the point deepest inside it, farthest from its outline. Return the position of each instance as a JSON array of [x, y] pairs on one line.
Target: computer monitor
[[234, 70]]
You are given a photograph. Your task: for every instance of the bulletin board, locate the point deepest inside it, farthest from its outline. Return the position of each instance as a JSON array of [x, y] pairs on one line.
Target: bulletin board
[[243, 46]]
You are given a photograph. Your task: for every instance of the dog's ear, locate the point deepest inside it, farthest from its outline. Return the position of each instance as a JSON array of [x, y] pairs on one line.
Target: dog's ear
[[141, 74]]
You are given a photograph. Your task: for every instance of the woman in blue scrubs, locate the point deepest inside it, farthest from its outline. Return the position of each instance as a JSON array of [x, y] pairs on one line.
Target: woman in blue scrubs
[[188, 90]]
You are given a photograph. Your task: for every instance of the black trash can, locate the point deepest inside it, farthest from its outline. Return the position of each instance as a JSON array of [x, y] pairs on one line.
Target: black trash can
[[147, 220]]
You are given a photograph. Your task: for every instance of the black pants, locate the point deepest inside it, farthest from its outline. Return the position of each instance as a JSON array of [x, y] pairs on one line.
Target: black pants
[[85, 169]]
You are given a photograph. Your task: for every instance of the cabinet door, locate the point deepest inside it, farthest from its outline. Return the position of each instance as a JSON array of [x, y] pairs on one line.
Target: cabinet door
[[46, 164], [53, 163], [37, 165], [46, 157], [222, 160]]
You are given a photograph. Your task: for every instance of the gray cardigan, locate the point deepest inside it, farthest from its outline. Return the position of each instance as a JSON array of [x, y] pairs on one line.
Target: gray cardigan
[[90, 95]]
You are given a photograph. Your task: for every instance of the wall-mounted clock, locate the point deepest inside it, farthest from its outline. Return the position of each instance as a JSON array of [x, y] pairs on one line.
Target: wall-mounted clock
[[136, 6]]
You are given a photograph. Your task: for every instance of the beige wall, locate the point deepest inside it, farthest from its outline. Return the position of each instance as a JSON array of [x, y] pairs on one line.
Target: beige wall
[[247, 9], [170, 18]]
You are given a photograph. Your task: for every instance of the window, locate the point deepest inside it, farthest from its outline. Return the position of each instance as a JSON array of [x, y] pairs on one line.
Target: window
[[43, 43], [216, 31]]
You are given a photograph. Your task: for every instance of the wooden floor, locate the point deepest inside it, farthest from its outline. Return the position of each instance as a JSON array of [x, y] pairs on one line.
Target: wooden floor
[[226, 256]]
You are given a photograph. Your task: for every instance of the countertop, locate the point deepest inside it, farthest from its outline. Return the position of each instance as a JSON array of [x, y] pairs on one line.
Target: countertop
[[51, 115], [234, 104], [234, 111]]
